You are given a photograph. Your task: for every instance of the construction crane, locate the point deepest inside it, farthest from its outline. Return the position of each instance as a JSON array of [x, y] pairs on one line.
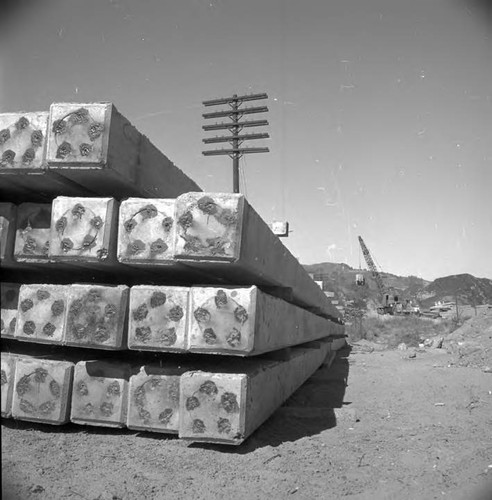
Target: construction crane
[[390, 303]]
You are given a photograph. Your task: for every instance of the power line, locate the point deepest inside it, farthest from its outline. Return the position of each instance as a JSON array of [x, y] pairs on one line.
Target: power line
[[235, 126]]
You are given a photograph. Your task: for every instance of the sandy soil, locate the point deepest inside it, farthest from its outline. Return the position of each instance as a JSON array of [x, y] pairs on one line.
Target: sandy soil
[[376, 425]]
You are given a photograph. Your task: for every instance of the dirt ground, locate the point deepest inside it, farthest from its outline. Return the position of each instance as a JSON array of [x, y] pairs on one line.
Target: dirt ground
[[375, 425]]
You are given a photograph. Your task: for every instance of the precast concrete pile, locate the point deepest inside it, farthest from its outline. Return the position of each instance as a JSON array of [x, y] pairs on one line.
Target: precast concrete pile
[[130, 298]]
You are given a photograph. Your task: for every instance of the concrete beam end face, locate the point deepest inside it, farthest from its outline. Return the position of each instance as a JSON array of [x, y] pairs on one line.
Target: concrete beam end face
[[9, 300], [82, 229], [23, 140], [8, 370], [96, 316], [212, 407], [146, 231], [100, 393], [222, 320], [78, 135], [8, 318], [42, 390], [8, 214], [41, 315], [209, 227], [32, 238], [158, 318], [153, 401]]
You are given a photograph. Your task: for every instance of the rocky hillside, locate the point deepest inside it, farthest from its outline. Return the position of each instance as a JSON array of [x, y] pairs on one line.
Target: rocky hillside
[[340, 278], [464, 288]]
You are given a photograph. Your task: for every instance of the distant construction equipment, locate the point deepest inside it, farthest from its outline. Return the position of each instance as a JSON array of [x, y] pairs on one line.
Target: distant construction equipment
[[390, 303]]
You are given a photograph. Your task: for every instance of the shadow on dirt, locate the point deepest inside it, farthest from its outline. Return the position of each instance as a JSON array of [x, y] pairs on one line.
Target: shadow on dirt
[[309, 411]]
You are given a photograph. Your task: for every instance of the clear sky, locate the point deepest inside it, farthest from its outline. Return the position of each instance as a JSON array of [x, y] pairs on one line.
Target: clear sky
[[380, 111]]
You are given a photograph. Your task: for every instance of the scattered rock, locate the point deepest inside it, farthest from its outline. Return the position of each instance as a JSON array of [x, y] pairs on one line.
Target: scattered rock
[[412, 355], [346, 415], [487, 369], [437, 343], [37, 489]]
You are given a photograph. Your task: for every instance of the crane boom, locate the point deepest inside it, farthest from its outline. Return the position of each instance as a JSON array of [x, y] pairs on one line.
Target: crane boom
[[390, 303], [372, 267]]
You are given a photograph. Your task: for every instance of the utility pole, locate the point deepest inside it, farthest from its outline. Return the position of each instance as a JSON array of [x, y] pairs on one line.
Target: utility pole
[[235, 126]]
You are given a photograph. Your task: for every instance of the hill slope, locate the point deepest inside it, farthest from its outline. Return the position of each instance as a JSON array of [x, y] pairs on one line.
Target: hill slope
[[340, 278], [464, 288]]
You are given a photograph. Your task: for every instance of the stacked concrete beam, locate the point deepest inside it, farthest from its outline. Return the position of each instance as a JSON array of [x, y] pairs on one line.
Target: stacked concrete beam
[[23, 140], [97, 316], [9, 300], [8, 214], [42, 390], [41, 314], [7, 389], [247, 322], [100, 393], [32, 238], [93, 145], [241, 321], [146, 235], [83, 230], [226, 407], [197, 238], [92, 316], [221, 403], [158, 318], [153, 399], [23, 172], [146, 231], [221, 233]]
